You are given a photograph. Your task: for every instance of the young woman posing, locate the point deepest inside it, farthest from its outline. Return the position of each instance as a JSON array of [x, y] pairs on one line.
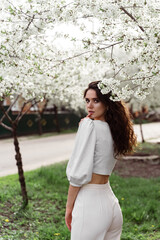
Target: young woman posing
[[92, 210]]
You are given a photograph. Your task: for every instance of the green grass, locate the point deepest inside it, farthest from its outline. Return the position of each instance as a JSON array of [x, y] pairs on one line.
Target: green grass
[[143, 121], [149, 148], [47, 187]]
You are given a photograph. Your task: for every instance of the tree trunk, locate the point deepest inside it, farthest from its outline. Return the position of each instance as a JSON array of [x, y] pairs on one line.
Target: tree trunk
[[56, 116], [18, 158], [40, 131], [141, 130]]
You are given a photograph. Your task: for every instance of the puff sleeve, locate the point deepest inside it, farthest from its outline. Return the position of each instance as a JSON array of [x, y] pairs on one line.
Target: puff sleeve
[[80, 165]]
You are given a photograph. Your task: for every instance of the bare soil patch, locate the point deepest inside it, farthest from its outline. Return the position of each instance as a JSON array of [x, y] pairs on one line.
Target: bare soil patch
[[138, 165]]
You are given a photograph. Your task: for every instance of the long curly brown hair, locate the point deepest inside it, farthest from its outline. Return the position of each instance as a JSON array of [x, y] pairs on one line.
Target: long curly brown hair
[[119, 119]]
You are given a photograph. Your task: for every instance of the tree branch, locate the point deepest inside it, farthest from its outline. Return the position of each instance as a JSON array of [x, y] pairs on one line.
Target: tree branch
[[140, 78], [44, 107], [5, 114], [112, 53], [30, 22], [18, 118], [69, 58], [67, 5], [9, 108], [20, 112], [118, 71], [111, 45], [6, 127], [130, 15], [26, 29], [80, 54]]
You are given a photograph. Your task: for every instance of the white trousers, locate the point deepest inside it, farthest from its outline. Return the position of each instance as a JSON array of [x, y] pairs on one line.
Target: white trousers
[[96, 214]]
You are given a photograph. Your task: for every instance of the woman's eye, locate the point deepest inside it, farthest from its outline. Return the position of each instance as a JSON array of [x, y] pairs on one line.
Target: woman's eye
[[95, 100]]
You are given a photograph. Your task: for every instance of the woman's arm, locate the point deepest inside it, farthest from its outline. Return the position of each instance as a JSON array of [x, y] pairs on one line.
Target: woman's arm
[[72, 194], [79, 168]]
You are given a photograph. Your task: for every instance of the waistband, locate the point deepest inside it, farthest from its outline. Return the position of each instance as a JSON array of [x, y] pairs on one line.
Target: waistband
[[105, 186]]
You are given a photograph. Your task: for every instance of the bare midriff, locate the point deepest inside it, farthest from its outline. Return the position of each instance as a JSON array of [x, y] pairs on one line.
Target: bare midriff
[[99, 179]]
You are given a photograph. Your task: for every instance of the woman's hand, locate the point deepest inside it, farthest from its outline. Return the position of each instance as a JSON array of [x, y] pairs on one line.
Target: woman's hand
[[88, 116], [68, 217], [72, 194]]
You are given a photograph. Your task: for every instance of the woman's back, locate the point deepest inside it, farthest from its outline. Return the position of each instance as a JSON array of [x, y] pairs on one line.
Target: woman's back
[[104, 160]]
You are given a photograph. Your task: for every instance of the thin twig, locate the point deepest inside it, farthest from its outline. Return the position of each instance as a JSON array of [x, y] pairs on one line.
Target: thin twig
[[139, 78], [112, 53], [80, 54], [19, 10], [118, 71], [69, 58], [113, 44], [30, 22], [130, 15], [67, 5], [135, 87]]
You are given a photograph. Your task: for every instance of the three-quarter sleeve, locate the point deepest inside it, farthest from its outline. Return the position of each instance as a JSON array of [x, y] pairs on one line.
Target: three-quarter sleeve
[[80, 165]]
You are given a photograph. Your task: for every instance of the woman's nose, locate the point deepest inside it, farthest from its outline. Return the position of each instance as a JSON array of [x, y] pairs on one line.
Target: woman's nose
[[90, 104]]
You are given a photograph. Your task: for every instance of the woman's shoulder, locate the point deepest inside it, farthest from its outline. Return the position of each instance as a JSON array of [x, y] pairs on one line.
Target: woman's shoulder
[[91, 122], [100, 122], [100, 125], [86, 128], [86, 123]]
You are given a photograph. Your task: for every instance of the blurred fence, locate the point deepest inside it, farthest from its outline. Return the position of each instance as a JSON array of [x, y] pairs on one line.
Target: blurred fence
[[49, 122]]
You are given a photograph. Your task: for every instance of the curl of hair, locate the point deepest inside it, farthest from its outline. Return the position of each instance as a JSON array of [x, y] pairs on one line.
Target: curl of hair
[[119, 119]]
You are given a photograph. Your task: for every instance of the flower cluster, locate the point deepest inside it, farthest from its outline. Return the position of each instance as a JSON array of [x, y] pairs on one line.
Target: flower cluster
[[53, 49]]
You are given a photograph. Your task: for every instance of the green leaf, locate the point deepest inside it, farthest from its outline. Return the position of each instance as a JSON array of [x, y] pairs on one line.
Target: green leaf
[[11, 10]]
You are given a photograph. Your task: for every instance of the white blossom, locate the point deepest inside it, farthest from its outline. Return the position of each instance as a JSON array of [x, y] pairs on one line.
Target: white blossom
[[116, 42]]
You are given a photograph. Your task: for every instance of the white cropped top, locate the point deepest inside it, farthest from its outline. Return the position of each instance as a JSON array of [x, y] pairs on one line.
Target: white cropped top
[[92, 153]]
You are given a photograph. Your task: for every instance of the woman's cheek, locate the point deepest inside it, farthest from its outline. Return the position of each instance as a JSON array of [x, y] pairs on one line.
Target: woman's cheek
[[97, 106]]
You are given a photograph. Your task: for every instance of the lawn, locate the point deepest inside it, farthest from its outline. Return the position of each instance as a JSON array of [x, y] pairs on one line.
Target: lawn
[[148, 148], [43, 219]]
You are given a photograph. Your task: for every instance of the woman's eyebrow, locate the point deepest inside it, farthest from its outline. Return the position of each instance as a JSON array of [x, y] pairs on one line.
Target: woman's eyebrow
[[92, 98]]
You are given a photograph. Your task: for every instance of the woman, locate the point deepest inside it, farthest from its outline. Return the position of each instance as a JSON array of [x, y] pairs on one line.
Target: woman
[[92, 210]]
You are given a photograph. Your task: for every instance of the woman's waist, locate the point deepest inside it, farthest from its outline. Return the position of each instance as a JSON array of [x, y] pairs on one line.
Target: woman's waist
[[99, 179]]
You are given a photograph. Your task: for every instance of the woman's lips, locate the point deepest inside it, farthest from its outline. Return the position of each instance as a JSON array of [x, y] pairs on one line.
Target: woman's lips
[[91, 112]]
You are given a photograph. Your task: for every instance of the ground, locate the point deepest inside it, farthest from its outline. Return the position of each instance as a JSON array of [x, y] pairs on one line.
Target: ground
[[137, 168]]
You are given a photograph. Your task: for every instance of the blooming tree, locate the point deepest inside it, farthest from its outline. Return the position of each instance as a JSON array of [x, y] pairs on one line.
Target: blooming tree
[[146, 106], [152, 101], [122, 45], [120, 37], [115, 41]]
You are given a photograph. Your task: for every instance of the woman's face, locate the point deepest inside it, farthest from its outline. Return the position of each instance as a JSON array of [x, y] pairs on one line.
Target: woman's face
[[94, 106]]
